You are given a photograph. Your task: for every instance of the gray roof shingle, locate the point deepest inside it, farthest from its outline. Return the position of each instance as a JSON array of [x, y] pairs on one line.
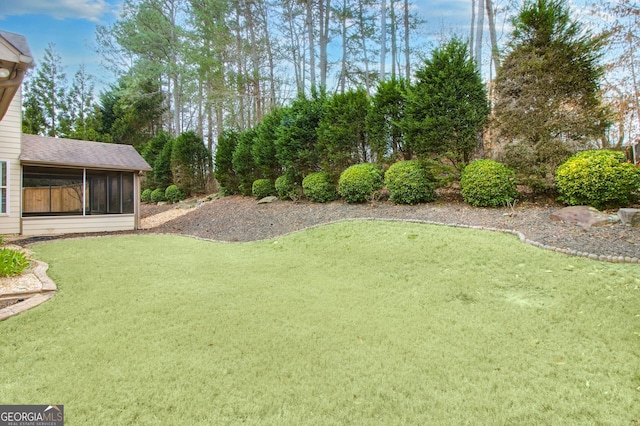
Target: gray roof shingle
[[69, 152], [18, 41]]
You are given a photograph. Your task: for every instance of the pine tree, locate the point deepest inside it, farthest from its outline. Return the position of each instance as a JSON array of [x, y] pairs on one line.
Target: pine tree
[[47, 92], [547, 102], [447, 105], [342, 135]]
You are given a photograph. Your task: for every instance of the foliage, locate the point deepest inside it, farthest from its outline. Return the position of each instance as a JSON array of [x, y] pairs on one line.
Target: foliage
[[488, 183], [287, 188], [157, 195], [145, 197], [385, 133], [12, 262], [173, 194], [342, 135], [410, 182], [447, 105], [224, 172], [547, 94], [534, 165], [151, 151], [243, 162], [296, 146], [46, 107], [358, 183], [320, 187], [131, 111], [264, 146], [190, 163], [598, 178], [263, 188], [162, 175]]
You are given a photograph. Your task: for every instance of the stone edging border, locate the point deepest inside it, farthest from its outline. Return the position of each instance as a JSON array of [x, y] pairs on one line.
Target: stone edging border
[[48, 291]]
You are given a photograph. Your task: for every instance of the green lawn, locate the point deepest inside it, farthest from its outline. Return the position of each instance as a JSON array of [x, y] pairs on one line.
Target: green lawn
[[351, 323]]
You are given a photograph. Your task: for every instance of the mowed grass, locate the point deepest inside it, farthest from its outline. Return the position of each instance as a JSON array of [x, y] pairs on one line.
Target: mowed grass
[[351, 323]]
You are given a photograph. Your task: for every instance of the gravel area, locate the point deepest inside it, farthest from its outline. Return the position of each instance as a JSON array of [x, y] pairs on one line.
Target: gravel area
[[237, 219]]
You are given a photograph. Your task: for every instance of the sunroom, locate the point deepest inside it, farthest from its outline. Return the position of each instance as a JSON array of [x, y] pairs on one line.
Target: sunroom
[[71, 186]]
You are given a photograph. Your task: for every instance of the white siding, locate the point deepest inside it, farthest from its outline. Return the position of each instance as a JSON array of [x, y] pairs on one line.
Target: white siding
[[10, 134], [77, 224]]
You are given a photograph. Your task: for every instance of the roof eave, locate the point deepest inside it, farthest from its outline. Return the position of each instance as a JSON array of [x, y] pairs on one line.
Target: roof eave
[[27, 162]]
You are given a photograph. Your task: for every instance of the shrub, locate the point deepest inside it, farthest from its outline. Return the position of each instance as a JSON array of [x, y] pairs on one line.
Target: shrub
[[12, 262], [263, 188], [487, 183], [174, 194], [287, 188], [157, 195], [597, 178], [145, 197], [320, 187], [358, 183], [410, 182]]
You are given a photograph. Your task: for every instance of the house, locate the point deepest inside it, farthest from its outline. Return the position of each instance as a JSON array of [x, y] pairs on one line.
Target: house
[[58, 186]]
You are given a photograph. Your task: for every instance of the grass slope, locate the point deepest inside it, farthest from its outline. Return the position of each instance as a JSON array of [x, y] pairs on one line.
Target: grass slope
[[351, 323]]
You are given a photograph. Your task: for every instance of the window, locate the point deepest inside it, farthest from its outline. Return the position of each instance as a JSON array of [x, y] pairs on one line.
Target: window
[[68, 192], [4, 187], [110, 192]]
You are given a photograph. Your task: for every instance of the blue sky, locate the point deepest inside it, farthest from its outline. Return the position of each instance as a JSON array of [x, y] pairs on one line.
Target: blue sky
[[70, 25]]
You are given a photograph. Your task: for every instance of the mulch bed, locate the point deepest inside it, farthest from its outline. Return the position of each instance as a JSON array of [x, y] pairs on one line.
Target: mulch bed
[[237, 219]]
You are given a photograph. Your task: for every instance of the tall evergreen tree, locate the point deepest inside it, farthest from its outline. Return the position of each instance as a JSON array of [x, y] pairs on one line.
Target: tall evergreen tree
[[190, 163], [296, 146], [223, 162], [342, 131], [384, 120], [47, 92], [547, 102], [447, 105]]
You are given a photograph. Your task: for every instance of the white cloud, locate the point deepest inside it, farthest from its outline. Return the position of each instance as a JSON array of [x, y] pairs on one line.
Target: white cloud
[[91, 10]]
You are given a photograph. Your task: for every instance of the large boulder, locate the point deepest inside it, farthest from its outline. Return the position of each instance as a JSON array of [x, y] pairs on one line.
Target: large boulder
[[584, 216], [630, 217]]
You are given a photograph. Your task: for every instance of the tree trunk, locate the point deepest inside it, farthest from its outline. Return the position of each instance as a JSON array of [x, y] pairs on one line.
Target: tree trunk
[[343, 33], [394, 47], [325, 15], [256, 92], [495, 53], [407, 51], [472, 28], [363, 46], [479, 33], [383, 38], [312, 47]]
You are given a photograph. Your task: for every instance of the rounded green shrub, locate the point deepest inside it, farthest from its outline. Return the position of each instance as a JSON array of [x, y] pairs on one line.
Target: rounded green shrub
[[358, 183], [287, 188], [174, 194], [263, 188], [410, 182], [319, 187], [487, 183], [599, 178], [145, 197], [157, 195]]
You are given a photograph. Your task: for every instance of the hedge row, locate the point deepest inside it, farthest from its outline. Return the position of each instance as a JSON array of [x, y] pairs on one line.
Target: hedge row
[[597, 178]]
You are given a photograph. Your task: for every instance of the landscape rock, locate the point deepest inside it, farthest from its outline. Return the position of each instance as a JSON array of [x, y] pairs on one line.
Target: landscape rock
[[269, 199], [584, 216], [630, 217]]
